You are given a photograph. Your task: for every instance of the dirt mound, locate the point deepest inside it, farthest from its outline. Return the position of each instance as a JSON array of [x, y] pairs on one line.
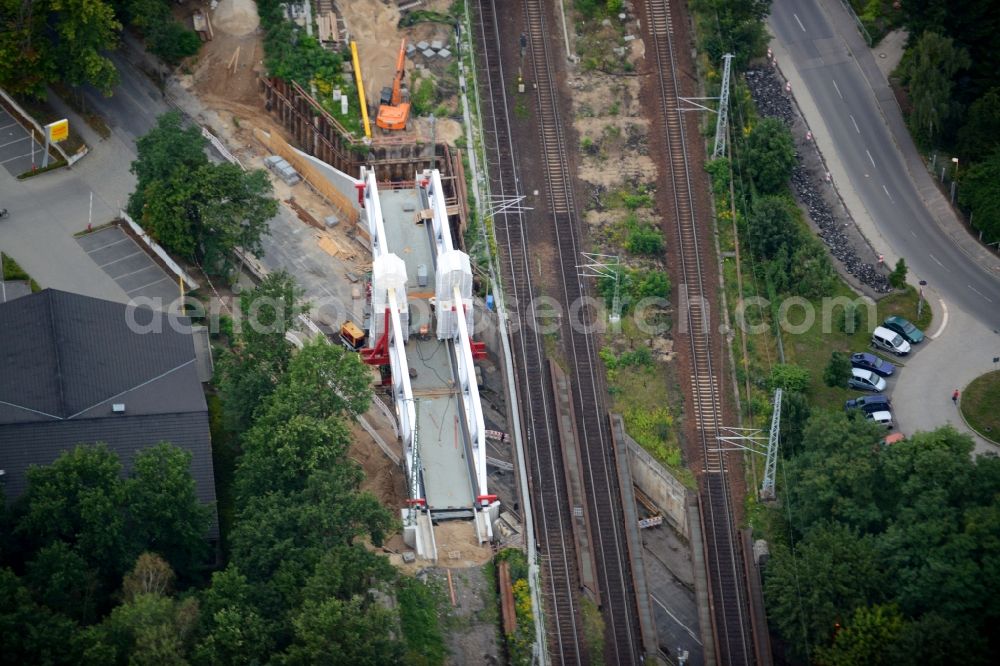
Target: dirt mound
[[236, 17]]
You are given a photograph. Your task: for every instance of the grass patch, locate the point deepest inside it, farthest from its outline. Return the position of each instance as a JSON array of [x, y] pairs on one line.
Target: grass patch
[[593, 629], [811, 348], [56, 163], [419, 607], [979, 405], [639, 388], [13, 271]]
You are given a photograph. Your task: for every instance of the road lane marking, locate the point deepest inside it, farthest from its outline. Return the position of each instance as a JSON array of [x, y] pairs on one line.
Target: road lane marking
[[872, 159], [944, 320], [856, 128], [837, 88], [981, 293], [938, 262], [674, 617], [913, 233], [799, 22], [886, 190]]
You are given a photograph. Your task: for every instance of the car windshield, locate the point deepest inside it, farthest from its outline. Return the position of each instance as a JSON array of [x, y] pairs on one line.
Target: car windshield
[[897, 341], [907, 326], [876, 361]]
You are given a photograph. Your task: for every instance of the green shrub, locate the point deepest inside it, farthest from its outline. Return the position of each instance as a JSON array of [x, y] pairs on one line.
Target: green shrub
[[789, 377], [645, 239]]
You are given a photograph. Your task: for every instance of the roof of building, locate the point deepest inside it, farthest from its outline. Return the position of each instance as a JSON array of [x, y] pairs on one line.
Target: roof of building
[[66, 356], [67, 362]]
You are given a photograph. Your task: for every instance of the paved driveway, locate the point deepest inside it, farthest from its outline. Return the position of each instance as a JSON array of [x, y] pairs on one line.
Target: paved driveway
[[17, 146]]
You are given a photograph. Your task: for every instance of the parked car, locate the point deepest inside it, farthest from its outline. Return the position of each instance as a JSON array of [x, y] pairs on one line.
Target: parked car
[[869, 403], [883, 418], [889, 340], [866, 380], [867, 361], [904, 327]]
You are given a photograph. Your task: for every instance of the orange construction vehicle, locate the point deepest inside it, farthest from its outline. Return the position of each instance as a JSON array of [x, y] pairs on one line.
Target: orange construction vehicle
[[393, 112]]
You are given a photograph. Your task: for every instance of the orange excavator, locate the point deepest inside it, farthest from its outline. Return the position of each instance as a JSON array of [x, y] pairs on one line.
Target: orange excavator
[[393, 112]]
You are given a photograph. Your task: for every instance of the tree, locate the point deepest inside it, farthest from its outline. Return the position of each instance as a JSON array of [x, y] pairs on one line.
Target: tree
[[165, 514], [332, 631], [871, 636], [737, 28], [249, 373], [811, 274], [233, 208], [898, 276], [62, 581], [832, 571], [772, 228], [789, 377], [980, 136], [838, 475], [49, 41], [169, 148], [932, 64], [78, 499], [979, 192], [83, 31], [838, 370], [281, 459], [768, 155], [322, 381], [232, 629], [197, 209], [33, 634], [150, 630], [150, 575]]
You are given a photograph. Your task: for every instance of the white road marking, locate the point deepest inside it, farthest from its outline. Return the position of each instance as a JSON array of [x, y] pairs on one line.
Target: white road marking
[[674, 617], [886, 190], [16, 157], [938, 262], [11, 143], [799, 22], [981, 293], [872, 159], [837, 88], [944, 320], [913, 233], [856, 128]]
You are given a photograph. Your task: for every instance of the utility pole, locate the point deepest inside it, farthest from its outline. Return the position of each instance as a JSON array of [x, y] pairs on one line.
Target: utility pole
[[722, 120], [767, 487]]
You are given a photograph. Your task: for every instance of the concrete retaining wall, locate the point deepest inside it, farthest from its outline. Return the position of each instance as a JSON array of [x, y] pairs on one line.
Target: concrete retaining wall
[[660, 485]]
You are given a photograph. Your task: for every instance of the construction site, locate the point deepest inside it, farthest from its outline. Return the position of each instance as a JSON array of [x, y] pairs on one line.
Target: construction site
[[379, 227]]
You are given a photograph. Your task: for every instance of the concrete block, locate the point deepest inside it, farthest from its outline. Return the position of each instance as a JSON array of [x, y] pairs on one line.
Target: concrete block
[[428, 53], [422, 45], [437, 44], [444, 53]]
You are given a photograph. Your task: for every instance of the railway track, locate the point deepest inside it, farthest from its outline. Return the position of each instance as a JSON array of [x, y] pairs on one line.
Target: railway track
[[560, 577], [566, 641], [622, 640], [728, 591]]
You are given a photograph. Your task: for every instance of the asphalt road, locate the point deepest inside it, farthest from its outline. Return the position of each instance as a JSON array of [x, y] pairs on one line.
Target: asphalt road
[[868, 153]]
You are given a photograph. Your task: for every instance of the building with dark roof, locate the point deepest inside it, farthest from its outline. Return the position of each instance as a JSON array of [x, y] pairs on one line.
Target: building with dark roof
[[79, 370]]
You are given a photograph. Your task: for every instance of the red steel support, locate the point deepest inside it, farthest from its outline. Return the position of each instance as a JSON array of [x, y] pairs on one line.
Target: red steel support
[[379, 354]]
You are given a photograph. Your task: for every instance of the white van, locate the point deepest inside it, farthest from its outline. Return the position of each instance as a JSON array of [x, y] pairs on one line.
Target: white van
[[883, 338], [882, 418]]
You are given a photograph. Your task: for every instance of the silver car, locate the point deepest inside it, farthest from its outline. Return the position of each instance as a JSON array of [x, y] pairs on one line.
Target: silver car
[[866, 380]]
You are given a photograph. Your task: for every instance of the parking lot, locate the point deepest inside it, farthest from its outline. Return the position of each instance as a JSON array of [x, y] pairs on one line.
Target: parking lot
[[126, 263], [17, 146]]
